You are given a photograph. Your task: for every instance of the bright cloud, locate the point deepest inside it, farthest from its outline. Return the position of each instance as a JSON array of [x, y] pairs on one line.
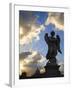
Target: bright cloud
[[30, 32], [29, 62], [57, 19]]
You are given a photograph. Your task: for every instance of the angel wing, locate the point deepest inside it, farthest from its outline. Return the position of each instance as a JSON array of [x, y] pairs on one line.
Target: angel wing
[[58, 43]]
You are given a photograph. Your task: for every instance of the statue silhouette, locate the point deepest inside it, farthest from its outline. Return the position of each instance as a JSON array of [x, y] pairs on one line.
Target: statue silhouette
[[53, 46]]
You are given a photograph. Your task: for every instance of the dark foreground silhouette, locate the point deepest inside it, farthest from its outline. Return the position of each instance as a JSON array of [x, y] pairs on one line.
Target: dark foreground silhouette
[[51, 71], [51, 68]]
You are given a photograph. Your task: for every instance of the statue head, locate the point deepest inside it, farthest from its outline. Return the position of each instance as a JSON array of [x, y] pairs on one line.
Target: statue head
[[52, 33]]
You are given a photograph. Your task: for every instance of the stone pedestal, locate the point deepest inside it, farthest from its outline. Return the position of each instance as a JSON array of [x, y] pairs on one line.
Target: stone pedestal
[[52, 70]]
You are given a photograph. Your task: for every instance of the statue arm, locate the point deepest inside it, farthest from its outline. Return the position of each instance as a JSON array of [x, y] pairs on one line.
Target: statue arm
[[46, 38]]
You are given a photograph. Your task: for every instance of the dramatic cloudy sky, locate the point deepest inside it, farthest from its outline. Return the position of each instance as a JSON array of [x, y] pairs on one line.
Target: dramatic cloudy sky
[[31, 61], [33, 26]]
